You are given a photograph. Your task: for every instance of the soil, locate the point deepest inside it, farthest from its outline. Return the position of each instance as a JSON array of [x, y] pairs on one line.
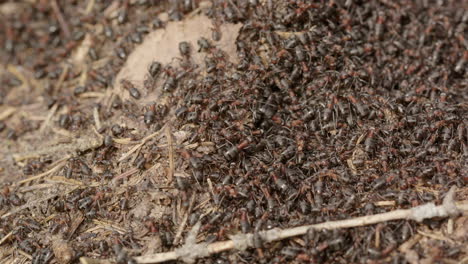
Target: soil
[[261, 115]]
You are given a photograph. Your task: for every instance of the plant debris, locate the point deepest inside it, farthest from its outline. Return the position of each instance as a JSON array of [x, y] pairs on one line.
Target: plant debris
[[190, 251]]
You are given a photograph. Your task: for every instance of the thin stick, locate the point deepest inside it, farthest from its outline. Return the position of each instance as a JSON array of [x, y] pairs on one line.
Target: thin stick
[[171, 154], [6, 113], [26, 255], [57, 166], [143, 141], [409, 243], [62, 77], [85, 260], [239, 13], [83, 75], [184, 220], [191, 251], [49, 117], [126, 174], [437, 237], [108, 225], [6, 237], [61, 20], [97, 121], [92, 95], [17, 71], [35, 187], [124, 141], [132, 161], [135, 148], [89, 6], [75, 224]]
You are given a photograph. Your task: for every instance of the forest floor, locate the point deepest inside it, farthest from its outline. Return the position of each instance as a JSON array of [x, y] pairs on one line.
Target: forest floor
[[233, 131]]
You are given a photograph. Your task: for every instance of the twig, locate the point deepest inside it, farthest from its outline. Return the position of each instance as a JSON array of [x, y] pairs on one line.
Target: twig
[[190, 251], [57, 166], [61, 20], [85, 260], [109, 226], [75, 224], [89, 6], [137, 152], [7, 112], [184, 220], [8, 257], [385, 203], [61, 79], [210, 187], [436, 237], [92, 95], [203, 5], [464, 260], [49, 117], [62, 180], [143, 141], [18, 73], [111, 9], [126, 174], [35, 187], [409, 243], [124, 141], [5, 238], [171, 154], [97, 121], [84, 74], [239, 13], [287, 34], [26, 255]]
